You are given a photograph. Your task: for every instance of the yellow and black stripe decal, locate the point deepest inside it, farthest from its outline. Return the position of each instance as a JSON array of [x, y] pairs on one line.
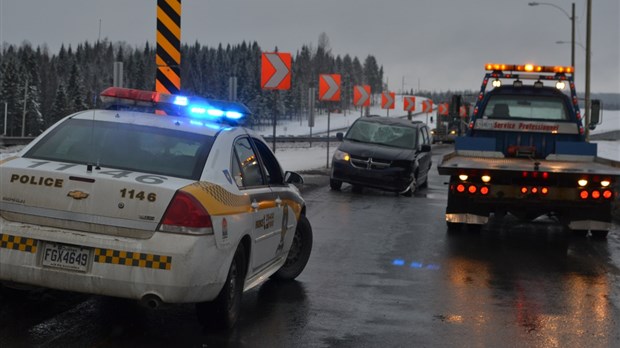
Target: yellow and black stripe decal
[[127, 258], [168, 53], [8, 241]]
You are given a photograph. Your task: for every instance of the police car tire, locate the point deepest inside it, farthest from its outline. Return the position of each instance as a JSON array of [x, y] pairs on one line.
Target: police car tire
[[300, 252], [223, 312]]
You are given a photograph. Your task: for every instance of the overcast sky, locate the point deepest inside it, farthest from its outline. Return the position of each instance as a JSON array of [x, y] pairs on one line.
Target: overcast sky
[[433, 44]]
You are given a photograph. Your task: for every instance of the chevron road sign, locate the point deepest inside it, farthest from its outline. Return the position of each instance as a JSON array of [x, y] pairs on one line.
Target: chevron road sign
[[361, 95], [329, 87], [387, 100], [427, 106], [276, 70], [409, 103]]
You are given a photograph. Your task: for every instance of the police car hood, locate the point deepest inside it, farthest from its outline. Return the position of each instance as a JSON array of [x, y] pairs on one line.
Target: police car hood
[[102, 200]]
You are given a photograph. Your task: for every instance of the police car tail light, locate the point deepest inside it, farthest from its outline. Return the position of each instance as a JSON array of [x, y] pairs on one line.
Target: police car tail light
[[186, 215]]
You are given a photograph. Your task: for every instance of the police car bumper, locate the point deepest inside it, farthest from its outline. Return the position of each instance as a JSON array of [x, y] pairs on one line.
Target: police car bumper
[[171, 268]]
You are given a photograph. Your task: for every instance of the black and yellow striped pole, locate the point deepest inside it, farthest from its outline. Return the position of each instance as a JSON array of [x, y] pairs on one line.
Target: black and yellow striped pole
[[168, 54]]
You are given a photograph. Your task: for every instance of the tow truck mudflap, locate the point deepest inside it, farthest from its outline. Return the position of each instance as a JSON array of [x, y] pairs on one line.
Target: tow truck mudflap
[[469, 219]]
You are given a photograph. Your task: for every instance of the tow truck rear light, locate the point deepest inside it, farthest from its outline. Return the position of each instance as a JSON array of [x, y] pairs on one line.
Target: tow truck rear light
[[596, 194], [607, 194], [534, 190], [544, 190], [472, 189], [524, 190], [460, 188], [605, 183], [484, 190], [584, 194], [187, 215]]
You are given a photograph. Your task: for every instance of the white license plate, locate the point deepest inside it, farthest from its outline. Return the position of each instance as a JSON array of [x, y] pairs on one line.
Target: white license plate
[[66, 257]]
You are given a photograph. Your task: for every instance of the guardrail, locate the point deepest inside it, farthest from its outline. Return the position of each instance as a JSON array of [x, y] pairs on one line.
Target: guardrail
[[12, 141]]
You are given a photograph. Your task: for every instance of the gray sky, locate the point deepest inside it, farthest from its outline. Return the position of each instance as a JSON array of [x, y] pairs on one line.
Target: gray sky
[[436, 44]]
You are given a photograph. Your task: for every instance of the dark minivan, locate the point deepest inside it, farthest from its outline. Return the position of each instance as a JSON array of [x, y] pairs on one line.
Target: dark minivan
[[390, 154]]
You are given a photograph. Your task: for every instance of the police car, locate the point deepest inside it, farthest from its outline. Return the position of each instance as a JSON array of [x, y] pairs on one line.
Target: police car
[[154, 197]]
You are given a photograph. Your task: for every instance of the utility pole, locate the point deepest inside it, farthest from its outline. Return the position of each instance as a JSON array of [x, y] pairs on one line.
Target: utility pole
[[24, 112], [588, 54]]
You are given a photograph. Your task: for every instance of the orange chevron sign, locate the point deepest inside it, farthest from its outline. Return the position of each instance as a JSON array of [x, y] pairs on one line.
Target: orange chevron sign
[[329, 87], [276, 71], [361, 95], [387, 100], [409, 103], [427, 105]]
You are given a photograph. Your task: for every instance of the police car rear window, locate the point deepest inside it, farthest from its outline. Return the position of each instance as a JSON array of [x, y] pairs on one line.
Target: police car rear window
[[126, 146]]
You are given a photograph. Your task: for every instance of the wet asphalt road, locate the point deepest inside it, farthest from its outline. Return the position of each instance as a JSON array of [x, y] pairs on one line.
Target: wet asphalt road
[[383, 273]]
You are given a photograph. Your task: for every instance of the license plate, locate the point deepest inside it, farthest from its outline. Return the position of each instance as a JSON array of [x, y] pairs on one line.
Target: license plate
[[66, 257]]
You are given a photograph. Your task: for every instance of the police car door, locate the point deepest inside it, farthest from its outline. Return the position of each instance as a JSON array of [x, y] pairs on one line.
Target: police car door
[[284, 214], [265, 236]]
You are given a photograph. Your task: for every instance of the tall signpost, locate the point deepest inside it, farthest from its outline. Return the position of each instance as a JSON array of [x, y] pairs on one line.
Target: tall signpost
[[329, 90], [168, 52], [275, 75]]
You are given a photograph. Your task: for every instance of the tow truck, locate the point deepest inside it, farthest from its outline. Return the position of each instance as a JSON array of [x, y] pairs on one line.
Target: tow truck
[[526, 153]]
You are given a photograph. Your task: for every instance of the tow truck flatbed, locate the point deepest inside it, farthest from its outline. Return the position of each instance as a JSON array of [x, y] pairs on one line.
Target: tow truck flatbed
[[455, 162]]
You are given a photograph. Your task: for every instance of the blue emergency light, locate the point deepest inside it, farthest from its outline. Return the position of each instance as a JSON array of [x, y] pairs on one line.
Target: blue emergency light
[[175, 105]]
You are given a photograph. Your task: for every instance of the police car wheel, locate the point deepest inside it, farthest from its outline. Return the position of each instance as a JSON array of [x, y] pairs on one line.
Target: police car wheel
[[299, 253], [223, 312]]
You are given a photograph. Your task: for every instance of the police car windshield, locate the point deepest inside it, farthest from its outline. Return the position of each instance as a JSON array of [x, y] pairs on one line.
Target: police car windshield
[[126, 146], [526, 106], [383, 134]]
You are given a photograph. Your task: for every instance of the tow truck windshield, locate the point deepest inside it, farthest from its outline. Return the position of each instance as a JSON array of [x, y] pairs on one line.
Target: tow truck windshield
[[526, 107]]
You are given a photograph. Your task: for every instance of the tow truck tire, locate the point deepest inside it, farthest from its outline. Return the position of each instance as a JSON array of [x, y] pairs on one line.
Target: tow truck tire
[[299, 253], [335, 184], [599, 234], [223, 312]]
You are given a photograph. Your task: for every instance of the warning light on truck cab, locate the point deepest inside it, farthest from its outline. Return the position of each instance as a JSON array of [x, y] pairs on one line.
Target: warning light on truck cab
[[530, 68]]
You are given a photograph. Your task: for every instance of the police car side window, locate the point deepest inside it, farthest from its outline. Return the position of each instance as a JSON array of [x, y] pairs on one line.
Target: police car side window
[[248, 164], [271, 166]]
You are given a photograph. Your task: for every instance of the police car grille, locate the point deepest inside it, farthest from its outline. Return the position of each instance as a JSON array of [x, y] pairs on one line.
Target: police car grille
[[370, 163]]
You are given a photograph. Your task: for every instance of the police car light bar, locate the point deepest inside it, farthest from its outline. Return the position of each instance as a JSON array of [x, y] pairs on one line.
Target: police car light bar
[[177, 105], [530, 68]]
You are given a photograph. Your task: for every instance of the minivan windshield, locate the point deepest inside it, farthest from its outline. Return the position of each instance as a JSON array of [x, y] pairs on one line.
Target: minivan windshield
[[125, 146], [383, 134]]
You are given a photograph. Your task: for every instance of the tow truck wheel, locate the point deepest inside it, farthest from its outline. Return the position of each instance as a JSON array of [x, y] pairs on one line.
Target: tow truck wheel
[[299, 253], [599, 234], [335, 184], [223, 312]]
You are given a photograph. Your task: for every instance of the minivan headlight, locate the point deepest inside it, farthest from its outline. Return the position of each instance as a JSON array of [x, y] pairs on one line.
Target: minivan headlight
[[341, 156]]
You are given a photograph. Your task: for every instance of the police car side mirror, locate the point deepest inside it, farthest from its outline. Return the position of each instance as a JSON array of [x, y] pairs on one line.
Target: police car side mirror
[[293, 178]]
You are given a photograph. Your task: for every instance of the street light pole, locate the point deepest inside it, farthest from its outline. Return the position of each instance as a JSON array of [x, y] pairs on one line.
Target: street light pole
[[588, 54], [572, 19]]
